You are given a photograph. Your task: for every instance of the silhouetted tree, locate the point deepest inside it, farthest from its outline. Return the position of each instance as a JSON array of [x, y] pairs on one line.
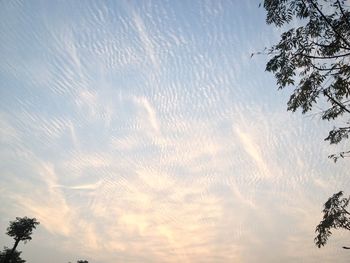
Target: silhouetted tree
[[335, 215], [21, 230], [314, 58], [16, 256], [82, 261]]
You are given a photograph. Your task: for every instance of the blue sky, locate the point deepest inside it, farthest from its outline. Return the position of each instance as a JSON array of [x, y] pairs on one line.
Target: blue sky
[[142, 131]]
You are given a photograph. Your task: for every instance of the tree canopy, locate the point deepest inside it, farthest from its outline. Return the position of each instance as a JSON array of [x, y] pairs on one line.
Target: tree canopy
[[314, 58], [335, 215], [22, 228], [16, 257]]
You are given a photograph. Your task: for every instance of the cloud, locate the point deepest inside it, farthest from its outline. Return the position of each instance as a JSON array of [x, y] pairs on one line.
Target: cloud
[[126, 164], [147, 109], [254, 151], [47, 202], [158, 210], [8, 133], [146, 40], [73, 135], [80, 187]]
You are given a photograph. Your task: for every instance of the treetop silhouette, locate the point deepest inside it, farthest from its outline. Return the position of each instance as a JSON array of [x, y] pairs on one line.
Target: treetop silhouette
[[20, 229]]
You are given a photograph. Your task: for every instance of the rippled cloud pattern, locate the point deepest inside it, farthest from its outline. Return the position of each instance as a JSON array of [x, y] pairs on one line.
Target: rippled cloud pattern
[[142, 131]]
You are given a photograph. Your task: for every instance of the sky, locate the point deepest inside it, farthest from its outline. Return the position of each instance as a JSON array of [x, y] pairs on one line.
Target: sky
[[143, 131]]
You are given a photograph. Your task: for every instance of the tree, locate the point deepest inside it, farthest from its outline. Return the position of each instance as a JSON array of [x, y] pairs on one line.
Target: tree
[[314, 58], [82, 261], [21, 230], [335, 216], [16, 257]]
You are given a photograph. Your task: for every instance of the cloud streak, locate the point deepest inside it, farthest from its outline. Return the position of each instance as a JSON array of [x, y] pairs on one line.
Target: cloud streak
[[149, 136]]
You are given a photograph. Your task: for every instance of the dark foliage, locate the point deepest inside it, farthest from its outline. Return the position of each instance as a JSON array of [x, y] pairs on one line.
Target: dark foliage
[[22, 228], [16, 257], [314, 58], [335, 216]]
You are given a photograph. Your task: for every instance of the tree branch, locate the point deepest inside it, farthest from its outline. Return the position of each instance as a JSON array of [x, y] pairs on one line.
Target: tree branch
[[342, 12], [335, 101], [345, 211], [325, 57], [327, 46], [329, 23], [324, 69]]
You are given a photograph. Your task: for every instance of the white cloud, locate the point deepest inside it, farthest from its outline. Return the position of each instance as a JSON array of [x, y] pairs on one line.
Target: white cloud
[[47, 202], [147, 109], [146, 40], [254, 151]]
